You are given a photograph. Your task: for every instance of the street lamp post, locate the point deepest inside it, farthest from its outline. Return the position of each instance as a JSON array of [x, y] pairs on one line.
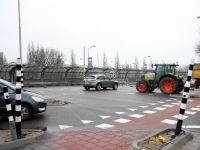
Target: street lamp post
[[89, 55], [20, 43], [144, 62]]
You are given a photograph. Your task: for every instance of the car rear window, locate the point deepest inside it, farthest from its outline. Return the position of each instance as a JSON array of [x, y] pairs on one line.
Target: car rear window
[[90, 77]]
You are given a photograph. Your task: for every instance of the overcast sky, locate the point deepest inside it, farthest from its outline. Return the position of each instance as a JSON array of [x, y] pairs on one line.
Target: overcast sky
[[166, 30]]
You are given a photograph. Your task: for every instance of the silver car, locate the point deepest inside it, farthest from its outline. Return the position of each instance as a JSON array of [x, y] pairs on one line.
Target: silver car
[[99, 81]]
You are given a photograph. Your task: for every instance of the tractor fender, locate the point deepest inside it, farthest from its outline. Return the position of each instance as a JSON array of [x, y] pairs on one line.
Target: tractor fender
[[167, 75]]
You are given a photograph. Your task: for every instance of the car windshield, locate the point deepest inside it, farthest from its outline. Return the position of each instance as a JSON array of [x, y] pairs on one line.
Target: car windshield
[[7, 83], [90, 77]]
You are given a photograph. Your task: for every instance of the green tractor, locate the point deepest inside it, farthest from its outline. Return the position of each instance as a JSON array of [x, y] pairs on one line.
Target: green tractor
[[164, 78]]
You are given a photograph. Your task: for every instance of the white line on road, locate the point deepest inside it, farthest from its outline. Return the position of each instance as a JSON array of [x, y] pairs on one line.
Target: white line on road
[[191, 126], [122, 120]]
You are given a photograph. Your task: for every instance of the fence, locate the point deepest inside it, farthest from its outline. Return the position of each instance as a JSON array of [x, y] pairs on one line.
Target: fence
[[52, 75]]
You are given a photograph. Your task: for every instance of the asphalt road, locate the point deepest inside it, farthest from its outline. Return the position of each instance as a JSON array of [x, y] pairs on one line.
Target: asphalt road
[[107, 109]]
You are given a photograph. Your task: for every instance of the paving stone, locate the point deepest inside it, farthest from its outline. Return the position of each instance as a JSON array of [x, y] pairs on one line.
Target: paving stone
[[194, 144], [188, 147]]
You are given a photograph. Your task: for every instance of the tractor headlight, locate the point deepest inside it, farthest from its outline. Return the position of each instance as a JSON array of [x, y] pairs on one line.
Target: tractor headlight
[[37, 99]]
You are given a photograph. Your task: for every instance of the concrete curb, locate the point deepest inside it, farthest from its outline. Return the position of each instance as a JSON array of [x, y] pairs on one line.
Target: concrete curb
[[21, 142], [176, 143]]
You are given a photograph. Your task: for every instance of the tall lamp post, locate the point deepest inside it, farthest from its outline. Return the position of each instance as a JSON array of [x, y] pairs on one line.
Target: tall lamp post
[[89, 55], [20, 43], [143, 61]]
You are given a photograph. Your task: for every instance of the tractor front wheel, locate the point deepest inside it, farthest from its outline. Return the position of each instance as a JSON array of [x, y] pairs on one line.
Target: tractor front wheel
[[168, 85], [142, 86]]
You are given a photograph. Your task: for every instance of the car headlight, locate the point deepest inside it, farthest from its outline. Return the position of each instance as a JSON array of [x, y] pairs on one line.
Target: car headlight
[[37, 99]]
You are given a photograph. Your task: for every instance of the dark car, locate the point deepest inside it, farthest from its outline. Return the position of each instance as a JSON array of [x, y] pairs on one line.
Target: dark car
[[99, 81], [31, 103]]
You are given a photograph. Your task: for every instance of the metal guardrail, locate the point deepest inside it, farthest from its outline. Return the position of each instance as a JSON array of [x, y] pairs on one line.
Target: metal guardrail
[[55, 75]]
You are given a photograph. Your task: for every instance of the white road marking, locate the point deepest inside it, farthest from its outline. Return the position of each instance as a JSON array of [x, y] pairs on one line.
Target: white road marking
[[176, 103], [169, 121], [159, 108], [64, 127], [149, 112], [160, 102], [168, 105], [104, 117], [190, 126], [190, 112], [132, 109], [190, 100], [137, 116], [122, 120], [176, 116], [104, 126], [168, 100], [86, 121], [198, 109], [198, 106], [143, 106], [119, 113], [152, 103]]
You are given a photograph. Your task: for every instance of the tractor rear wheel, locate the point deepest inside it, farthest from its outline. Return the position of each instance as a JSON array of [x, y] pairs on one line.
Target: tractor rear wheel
[[142, 86], [168, 85]]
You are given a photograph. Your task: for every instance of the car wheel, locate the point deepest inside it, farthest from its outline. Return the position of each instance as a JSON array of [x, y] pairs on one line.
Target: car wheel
[[87, 88], [115, 86], [25, 112], [98, 86]]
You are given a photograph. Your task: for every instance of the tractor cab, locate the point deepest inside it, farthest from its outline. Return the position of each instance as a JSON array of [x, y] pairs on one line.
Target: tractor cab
[[163, 69]]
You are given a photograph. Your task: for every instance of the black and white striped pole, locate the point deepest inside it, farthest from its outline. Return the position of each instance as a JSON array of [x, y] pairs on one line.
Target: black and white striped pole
[[10, 114], [22, 79], [18, 99], [185, 96]]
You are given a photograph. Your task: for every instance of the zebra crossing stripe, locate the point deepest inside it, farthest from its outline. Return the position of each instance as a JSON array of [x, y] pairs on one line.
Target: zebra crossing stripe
[[104, 126]]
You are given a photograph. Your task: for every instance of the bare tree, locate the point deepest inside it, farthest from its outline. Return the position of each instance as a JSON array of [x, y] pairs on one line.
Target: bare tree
[[44, 57], [117, 64], [73, 62], [105, 64], [197, 47], [136, 63], [150, 64]]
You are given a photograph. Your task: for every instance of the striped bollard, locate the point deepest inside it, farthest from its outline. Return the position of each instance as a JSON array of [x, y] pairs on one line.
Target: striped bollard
[[185, 96], [10, 114], [18, 99], [22, 79]]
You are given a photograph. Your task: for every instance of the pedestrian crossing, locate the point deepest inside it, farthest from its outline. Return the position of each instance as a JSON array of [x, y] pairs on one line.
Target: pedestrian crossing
[[171, 120]]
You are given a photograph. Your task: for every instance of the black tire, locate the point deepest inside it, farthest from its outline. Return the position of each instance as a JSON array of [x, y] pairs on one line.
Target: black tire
[[168, 85], [87, 88], [142, 86], [98, 87], [25, 112], [115, 86]]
